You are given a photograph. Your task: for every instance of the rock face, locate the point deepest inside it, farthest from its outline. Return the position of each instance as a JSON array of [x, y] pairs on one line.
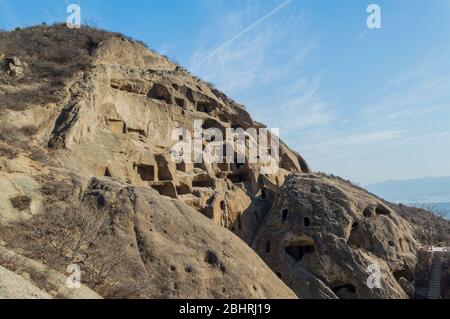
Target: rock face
[[120, 115], [324, 233], [185, 253], [113, 118], [93, 129], [136, 145]]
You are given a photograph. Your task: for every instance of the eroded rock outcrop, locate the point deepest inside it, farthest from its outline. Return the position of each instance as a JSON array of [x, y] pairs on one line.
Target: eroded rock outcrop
[[185, 253], [325, 233], [112, 116], [132, 113]]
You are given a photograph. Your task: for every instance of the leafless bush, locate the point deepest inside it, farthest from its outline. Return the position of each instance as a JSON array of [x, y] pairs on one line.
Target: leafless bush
[[29, 130], [18, 140], [11, 142], [8, 151], [56, 190], [430, 226], [21, 203], [432, 208], [67, 235], [9, 261], [435, 231], [18, 264], [77, 234]]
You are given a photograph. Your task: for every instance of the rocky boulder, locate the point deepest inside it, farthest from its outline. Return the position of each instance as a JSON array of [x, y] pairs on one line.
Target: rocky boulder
[[186, 254], [324, 237], [13, 66]]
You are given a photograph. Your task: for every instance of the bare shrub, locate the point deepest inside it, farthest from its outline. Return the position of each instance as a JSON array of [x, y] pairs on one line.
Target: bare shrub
[[430, 226], [16, 263], [432, 208], [21, 203], [19, 140], [435, 231], [78, 234], [56, 190], [8, 151], [9, 261]]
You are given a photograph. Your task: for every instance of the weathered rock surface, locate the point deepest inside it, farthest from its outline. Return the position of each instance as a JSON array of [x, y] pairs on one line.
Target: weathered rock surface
[[186, 254], [50, 282], [13, 286], [325, 233]]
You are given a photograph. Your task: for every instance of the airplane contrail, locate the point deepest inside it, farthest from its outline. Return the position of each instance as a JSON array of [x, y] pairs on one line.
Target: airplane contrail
[[240, 34]]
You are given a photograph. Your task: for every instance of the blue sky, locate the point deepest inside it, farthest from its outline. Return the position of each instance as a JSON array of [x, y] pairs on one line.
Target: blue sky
[[368, 105]]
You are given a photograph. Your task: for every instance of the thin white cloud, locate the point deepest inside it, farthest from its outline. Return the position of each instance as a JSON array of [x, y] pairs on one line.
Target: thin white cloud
[[430, 63], [341, 145], [410, 116], [246, 30], [416, 92], [263, 69]]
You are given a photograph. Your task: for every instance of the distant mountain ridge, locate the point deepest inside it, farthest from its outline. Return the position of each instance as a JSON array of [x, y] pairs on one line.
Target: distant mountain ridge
[[427, 189]]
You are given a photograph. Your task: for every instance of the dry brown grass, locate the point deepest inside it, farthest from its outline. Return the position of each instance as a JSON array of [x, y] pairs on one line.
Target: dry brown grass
[[53, 54], [14, 141]]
